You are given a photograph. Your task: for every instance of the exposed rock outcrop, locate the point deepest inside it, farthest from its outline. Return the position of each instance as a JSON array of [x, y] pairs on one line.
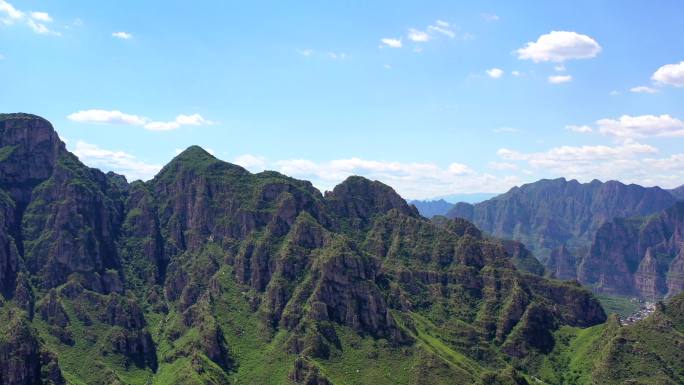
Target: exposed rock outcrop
[[638, 256], [551, 213]]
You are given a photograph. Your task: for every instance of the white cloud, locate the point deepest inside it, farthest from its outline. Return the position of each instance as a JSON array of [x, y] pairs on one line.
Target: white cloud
[[558, 79], [443, 28], [122, 35], [387, 66], [41, 28], [41, 16], [631, 162], [191, 120], [253, 163], [558, 155], [559, 46], [495, 73], [505, 129], [559, 68], [581, 129], [642, 126], [108, 117], [118, 117], [459, 169], [644, 90], [118, 161], [411, 180], [670, 74], [490, 17], [614, 93], [389, 42], [11, 14], [418, 36], [34, 20], [515, 73]]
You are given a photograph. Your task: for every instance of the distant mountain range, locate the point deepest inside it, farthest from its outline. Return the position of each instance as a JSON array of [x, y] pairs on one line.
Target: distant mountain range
[[580, 232], [678, 192], [441, 205], [429, 209]]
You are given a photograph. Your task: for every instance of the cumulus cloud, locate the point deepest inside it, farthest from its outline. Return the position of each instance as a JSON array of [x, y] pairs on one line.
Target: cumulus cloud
[[559, 46], [181, 120], [11, 14], [442, 27], [411, 180], [580, 129], [495, 73], [641, 126], [631, 162], [670, 74], [253, 163], [41, 16], [122, 35], [558, 79], [418, 35], [389, 42], [561, 154], [643, 90], [439, 28], [104, 116], [118, 161], [118, 117], [35, 20]]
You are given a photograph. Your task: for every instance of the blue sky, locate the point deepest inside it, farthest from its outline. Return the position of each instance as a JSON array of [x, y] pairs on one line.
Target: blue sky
[[433, 98]]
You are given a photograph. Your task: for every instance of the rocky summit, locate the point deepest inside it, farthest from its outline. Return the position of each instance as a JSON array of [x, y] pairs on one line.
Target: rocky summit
[[209, 274]]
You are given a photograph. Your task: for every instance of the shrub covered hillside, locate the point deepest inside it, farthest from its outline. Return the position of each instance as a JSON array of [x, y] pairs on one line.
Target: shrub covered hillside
[[208, 274]]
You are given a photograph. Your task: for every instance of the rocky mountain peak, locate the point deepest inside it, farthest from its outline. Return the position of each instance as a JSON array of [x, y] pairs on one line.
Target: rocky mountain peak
[[362, 198], [29, 149], [197, 161]]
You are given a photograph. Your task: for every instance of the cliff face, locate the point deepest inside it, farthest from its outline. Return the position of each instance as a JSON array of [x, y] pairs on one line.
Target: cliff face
[[207, 272], [548, 214], [562, 264], [641, 256]]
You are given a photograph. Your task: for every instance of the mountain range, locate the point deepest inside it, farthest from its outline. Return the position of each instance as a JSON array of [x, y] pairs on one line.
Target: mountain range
[[431, 208], [210, 274], [616, 238]]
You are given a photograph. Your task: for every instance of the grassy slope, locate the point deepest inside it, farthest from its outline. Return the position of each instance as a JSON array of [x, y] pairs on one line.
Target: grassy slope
[[646, 353], [619, 305]]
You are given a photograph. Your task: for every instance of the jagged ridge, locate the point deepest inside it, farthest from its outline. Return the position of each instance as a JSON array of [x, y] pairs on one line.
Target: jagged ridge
[[207, 272]]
